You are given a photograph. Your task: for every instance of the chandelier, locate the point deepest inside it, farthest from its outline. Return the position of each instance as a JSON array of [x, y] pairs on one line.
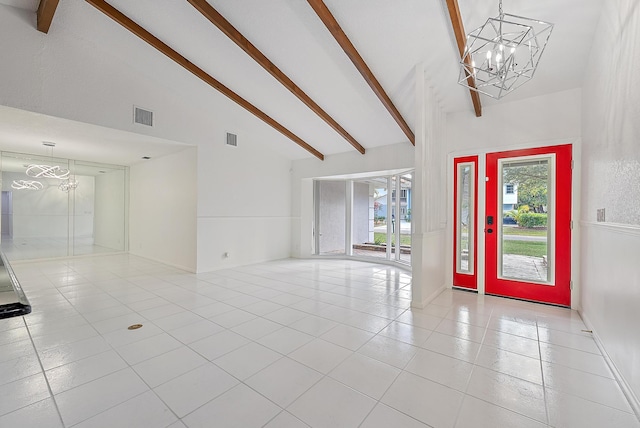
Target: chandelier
[[68, 184], [47, 171], [503, 54], [26, 185]]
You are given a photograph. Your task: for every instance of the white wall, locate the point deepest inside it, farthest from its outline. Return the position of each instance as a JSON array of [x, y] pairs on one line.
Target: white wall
[[428, 240], [536, 121], [610, 272], [244, 205], [162, 210], [109, 221]]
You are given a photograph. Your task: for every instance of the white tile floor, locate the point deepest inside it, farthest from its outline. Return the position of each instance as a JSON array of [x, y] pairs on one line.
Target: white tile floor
[[289, 344]]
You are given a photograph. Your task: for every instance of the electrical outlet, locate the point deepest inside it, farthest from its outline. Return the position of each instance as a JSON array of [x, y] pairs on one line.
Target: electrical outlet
[[600, 215]]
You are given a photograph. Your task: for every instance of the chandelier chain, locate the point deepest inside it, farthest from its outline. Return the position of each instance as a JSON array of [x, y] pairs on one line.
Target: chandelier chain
[[500, 8]]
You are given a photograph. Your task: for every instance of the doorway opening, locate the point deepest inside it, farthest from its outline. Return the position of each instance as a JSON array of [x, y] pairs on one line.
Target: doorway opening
[[364, 217]]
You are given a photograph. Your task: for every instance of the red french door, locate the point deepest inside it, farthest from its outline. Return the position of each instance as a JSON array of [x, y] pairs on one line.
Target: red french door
[[465, 213], [528, 224]]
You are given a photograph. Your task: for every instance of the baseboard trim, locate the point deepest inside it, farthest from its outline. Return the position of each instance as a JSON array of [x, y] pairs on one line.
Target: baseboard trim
[[626, 389], [428, 299], [164, 262]]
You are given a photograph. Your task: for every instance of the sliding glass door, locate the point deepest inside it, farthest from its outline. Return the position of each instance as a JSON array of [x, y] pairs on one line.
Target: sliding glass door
[[367, 217]]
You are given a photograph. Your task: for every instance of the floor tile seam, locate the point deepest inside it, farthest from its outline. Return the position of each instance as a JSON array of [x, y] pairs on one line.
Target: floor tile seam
[[629, 411], [612, 379], [322, 376], [466, 386], [370, 314], [90, 380], [509, 375], [66, 342], [381, 402], [280, 327], [224, 354], [374, 358], [119, 404], [240, 382], [544, 396], [510, 352], [202, 318], [599, 354], [517, 335], [118, 350], [86, 357], [548, 424], [377, 400], [200, 365], [580, 370], [51, 395], [327, 377]]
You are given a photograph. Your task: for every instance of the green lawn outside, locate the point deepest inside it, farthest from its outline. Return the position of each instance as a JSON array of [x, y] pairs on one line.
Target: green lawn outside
[[525, 248], [382, 238], [523, 231]]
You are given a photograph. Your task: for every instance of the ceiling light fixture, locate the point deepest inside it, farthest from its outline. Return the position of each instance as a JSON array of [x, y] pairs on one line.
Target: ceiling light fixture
[[68, 184], [47, 171], [503, 54], [26, 185]]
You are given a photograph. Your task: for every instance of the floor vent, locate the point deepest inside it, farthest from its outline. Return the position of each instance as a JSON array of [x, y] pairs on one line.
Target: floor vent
[[142, 116], [232, 140]]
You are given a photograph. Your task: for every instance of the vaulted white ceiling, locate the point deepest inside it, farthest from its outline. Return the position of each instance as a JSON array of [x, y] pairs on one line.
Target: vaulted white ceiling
[[391, 36]]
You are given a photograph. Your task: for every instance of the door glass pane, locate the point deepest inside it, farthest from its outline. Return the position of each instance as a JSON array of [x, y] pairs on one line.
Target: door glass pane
[[404, 220], [526, 204], [395, 224], [370, 217], [331, 221], [465, 206], [98, 192]]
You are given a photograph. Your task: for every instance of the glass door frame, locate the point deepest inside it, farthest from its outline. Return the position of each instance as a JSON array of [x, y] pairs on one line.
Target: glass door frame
[[393, 253], [465, 279]]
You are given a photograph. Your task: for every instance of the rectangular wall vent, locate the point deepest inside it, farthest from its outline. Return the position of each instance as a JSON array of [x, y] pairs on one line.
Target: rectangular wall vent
[[142, 116], [232, 140]]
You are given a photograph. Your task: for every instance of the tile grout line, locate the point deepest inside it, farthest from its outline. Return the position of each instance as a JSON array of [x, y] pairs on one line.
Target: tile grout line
[[544, 386], [53, 398]]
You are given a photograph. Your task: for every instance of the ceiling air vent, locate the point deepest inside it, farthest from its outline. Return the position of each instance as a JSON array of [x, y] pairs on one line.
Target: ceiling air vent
[[142, 116], [232, 140]]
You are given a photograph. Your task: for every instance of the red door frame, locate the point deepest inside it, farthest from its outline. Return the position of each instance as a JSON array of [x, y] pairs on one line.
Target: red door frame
[[558, 293], [461, 279]]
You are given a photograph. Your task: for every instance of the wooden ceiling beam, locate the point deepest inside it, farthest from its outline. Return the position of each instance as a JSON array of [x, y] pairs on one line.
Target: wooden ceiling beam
[[334, 28], [461, 40], [227, 28], [46, 10], [143, 34]]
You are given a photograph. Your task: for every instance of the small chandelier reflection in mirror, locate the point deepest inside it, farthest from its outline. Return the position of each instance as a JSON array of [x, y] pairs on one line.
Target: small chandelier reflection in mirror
[[503, 54], [26, 185], [47, 171], [68, 184]]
